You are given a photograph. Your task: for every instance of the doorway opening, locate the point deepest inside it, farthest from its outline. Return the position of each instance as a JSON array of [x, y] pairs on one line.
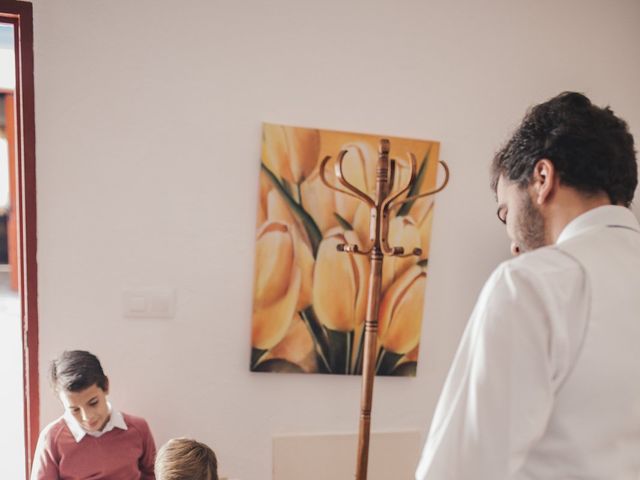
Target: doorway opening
[[11, 363], [19, 395]]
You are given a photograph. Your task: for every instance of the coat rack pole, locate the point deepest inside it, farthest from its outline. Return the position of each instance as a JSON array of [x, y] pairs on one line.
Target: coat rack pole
[[371, 322]]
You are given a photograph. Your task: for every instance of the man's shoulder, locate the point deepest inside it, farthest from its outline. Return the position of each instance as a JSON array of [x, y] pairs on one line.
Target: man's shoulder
[[546, 264], [543, 277]]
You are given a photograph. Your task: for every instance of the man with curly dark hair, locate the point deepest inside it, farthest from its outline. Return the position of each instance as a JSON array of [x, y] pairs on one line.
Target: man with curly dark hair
[[546, 380]]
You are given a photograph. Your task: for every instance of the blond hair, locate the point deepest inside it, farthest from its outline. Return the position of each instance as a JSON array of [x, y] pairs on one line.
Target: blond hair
[[186, 459]]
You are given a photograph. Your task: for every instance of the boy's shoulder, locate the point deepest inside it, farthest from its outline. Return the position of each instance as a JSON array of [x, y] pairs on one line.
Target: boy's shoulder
[[54, 427], [138, 423], [52, 431]]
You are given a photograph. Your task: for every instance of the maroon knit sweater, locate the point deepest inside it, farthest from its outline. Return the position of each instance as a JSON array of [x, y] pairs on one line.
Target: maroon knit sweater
[[116, 455]]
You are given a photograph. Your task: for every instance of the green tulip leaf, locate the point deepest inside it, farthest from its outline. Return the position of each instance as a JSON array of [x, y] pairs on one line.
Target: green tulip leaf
[[343, 223], [406, 369], [358, 363], [415, 188], [310, 226], [286, 186], [256, 355], [278, 365], [387, 361], [341, 345], [319, 336]]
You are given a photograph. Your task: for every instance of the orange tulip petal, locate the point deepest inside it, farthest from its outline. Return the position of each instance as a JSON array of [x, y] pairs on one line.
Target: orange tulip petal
[[304, 148], [297, 346], [275, 154], [274, 260], [334, 286], [278, 210], [270, 324], [319, 201], [361, 277], [401, 311], [402, 233], [304, 260]]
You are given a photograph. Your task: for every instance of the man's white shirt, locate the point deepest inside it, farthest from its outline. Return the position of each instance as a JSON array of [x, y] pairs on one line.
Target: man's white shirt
[[497, 415]]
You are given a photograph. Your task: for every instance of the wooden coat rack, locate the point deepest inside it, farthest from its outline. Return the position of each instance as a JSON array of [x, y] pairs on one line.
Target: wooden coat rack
[[381, 206]]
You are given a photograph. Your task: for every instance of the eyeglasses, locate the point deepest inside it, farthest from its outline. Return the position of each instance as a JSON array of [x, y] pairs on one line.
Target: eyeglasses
[[502, 214]]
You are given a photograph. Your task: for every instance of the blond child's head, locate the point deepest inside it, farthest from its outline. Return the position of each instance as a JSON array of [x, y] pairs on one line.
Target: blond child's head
[[186, 459]]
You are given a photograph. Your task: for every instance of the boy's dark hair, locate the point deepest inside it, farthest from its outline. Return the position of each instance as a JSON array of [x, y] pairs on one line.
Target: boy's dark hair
[[591, 149], [76, 370]]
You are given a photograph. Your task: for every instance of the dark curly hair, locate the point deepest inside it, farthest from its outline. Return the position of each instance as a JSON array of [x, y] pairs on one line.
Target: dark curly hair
[[75, 370], [591, 149]]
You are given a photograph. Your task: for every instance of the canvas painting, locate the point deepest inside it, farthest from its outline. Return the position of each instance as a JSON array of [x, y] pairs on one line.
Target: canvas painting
[[309, 299]]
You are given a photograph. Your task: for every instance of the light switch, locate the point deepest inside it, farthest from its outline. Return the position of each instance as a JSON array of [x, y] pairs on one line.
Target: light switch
[[149, 302], [137, 304]]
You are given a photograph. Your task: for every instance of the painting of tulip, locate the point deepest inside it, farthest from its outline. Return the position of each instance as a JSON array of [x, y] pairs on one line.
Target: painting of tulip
[[309, 299]]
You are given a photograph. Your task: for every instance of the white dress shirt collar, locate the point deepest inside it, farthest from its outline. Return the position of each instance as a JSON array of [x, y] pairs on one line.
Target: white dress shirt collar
[[116, 420], [608, 215]]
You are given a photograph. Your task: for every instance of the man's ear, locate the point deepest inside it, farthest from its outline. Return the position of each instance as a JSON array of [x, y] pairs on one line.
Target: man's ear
[[106, 385], [544, 181]]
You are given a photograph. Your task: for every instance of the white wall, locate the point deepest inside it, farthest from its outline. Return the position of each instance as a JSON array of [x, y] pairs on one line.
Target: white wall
[[148, 129]]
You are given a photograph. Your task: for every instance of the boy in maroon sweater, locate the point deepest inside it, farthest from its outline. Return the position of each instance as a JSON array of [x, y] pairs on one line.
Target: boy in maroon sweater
[[91, 439]]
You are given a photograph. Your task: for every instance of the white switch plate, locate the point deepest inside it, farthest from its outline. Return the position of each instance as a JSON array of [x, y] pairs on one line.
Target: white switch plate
[[149, 302]]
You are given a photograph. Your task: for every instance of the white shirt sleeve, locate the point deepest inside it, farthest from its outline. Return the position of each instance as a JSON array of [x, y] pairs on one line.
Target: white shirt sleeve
[[499, 393]]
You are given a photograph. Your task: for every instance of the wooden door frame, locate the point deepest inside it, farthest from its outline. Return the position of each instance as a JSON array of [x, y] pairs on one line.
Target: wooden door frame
[[20, 14]]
